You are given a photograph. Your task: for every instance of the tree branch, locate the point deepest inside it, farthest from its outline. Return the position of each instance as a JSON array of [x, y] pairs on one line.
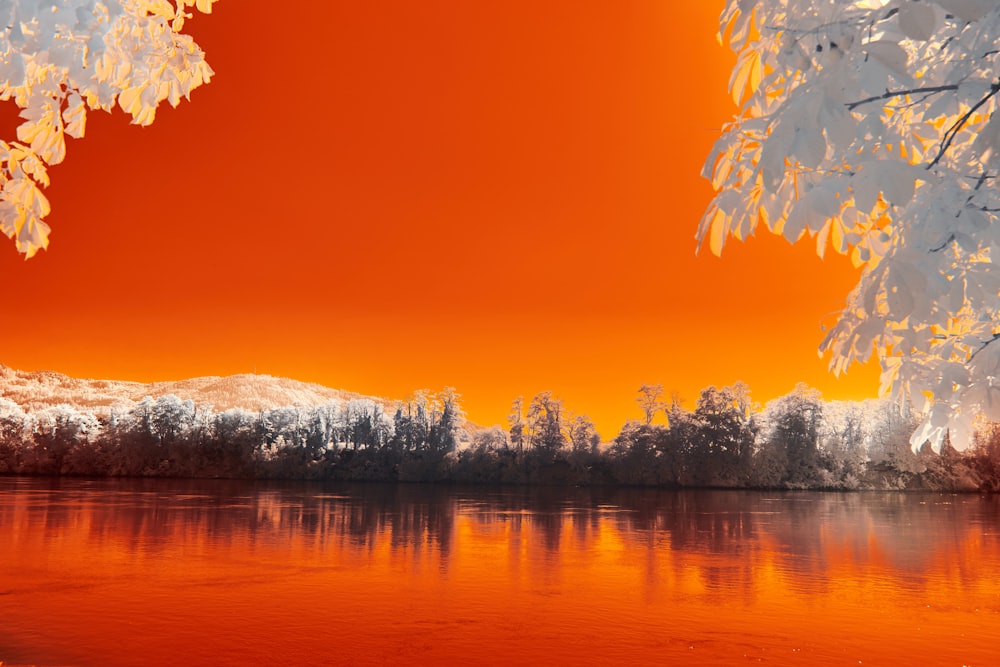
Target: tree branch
[[944, 245], [995, 337], [957, 126], [979, 183], [851, 106]]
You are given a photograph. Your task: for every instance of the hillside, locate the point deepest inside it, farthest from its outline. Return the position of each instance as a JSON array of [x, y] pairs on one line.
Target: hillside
[[41, 389]]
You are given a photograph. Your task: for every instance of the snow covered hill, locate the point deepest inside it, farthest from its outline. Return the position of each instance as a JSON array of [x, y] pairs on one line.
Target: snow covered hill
[[37, 390]]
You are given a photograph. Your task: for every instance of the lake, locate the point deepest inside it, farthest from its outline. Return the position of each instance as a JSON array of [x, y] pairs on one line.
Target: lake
[[165, 572]]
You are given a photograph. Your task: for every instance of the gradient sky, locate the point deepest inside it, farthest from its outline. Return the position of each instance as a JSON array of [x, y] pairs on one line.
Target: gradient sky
[[499, 196]]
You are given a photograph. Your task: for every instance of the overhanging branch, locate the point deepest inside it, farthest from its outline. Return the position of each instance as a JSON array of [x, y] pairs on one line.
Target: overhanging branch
[[851, 106], [957, 126], [983, 346]]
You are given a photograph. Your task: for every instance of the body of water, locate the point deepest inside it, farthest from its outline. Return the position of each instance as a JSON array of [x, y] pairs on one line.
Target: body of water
[[161, 572]]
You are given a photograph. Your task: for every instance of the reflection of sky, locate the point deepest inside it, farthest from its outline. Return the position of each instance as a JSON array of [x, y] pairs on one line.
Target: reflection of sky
[[627, 559]]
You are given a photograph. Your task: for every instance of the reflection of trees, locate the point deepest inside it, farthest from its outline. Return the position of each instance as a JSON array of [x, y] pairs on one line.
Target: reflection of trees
[[527, 510], [811, 538], [403, 516], [727, 538], [154, 515], [712, 532]]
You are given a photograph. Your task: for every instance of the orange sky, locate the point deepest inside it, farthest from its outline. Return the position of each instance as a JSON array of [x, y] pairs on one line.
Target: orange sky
[[381, 196]]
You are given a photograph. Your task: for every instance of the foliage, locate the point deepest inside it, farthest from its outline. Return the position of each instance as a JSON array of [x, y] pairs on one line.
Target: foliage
[[546, 429], [797, 442], [795, 422], [636, 454], [871, 126], [583, 436], [723, 446], [987, 457], [61, 59], [649, 400]]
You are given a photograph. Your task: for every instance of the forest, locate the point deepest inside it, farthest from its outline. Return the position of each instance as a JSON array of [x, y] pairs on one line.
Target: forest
[[798, 441]]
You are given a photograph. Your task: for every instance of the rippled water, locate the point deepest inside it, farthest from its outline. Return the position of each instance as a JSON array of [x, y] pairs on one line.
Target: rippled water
[[152, 572]]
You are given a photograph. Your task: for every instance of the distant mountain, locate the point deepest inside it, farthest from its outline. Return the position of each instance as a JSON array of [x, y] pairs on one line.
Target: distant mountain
[[40, 389]]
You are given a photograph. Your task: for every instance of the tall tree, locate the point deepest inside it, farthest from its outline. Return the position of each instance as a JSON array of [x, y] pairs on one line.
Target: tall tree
[[515, 420], [545, 423], [678, 444], [649, 400], [871, 125], [583, 435], [447, 416], [795, 420], [723, 445]]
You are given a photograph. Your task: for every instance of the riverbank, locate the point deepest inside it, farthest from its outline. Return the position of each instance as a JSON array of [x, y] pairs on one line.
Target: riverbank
[[949, 472], [793, 444]]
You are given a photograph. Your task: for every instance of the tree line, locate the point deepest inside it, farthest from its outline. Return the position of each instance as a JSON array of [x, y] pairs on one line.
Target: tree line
[[795, 442]]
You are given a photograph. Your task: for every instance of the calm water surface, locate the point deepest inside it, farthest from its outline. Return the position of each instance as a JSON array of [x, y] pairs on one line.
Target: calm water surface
[[153, 572]]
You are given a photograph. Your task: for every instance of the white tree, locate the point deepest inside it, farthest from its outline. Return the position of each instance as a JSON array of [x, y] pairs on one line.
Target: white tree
[[871, 126], [59, 58]]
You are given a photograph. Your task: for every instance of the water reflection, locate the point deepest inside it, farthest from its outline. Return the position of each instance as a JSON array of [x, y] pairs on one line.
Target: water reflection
[[235, 560], [808, 535]]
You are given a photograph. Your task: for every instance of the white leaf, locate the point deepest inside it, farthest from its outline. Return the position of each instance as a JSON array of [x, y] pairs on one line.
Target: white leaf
[[75, 116], [714, 226], [898, 184], [807, 213], [967, 10], [917, 20], [772, 157], [840, 126], [890, 54], [897, 180], [943, 105], [931, 429], [809, 146], [823, 199], [746, 76], [866, 188]]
